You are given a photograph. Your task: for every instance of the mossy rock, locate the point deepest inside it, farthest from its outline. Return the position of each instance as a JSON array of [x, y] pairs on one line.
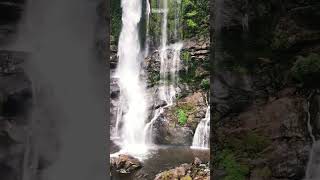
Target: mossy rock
[[306, 70], [186, 178]]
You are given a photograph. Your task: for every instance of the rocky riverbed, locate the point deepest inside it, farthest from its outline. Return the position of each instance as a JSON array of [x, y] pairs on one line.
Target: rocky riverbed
[[163, 163]]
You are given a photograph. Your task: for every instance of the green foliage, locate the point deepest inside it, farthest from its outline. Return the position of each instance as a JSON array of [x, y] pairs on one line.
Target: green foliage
[[191, 24], [155, 27], [236, 148], [195, 17], [189, 76], [205, 84], [234, 170], [154, 78], [254, 143], [182, 117], [116, 22], [185, 56], [182, 111], [250, 145], [306, 68]]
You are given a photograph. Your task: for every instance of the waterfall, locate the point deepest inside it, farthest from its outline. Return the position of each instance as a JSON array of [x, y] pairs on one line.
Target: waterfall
[[177, 19], [312, 171], [147, 42], [133, 107], [169, 65], [163, 90], [201, 136]]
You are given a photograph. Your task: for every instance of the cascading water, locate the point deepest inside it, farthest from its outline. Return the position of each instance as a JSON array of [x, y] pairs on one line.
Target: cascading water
[[177, 19], [312, 171], [169, 65], [201, 136], [133, 107], [147, 45]]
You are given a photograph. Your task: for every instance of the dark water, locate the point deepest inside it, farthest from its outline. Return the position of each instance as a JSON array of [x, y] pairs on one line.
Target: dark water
[[165, 158]]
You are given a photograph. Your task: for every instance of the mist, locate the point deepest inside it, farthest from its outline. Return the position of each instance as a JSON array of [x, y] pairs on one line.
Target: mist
[[61, 36]]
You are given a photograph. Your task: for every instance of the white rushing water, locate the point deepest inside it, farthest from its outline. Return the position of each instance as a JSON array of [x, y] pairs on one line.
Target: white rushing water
[[133, 108], [147, 42], [177, 19], [201, 136], [312, 172], [313, 166], [169, 65]]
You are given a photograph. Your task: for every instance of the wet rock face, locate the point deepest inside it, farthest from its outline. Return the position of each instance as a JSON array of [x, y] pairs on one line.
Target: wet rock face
[[16, 103], [271, 139], [10, 14], [283, 29], [165, 133], [166, 128], [253, 99], [191, 95], [195, 51], [124, 164], [195, 170], [314, 112]]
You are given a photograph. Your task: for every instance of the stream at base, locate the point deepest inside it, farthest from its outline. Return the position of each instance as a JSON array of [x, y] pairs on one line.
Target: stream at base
[[164, 158]]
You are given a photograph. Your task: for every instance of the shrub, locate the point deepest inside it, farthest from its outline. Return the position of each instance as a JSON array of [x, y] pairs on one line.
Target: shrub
[[205, 84], [116, 22], [185, 56], [182, 117], [306, 69], [234, 170], [195, 18], [250, 145], [255, 143]]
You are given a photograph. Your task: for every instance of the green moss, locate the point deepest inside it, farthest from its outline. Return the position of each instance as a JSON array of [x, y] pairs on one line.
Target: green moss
[[116, 22], [246, 146], [183, 111], [306, 68], [182, 117], [185, 56], [205, 84], [154, 78], [166, 175], [234, 170], [255, 143], [195, 18], [186, 178], [249, 145], [189, 75]]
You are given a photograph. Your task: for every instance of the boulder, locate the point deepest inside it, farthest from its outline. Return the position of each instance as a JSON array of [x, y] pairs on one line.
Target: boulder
[[276, 133], [186, 172], [166, 134], [124, 164]]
